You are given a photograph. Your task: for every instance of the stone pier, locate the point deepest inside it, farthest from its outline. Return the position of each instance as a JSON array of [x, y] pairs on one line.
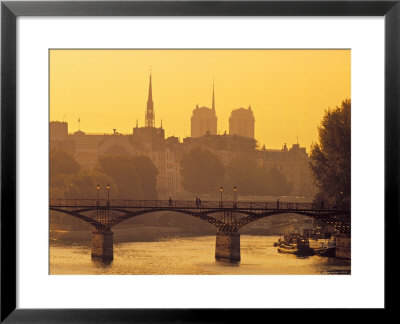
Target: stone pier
[[227, 246], [102, 245]]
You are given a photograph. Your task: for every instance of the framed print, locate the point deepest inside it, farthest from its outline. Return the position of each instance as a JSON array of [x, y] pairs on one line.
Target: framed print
[[162, 160]]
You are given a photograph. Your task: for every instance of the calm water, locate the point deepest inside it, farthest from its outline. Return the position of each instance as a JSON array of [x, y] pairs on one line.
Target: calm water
[[190, 256]]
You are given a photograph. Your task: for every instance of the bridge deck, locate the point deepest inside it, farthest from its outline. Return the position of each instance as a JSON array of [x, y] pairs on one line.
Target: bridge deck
[[222, 214], [184, 204]]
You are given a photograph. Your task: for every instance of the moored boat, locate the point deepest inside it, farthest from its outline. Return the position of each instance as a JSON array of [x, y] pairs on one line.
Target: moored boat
[[323, 246], [285, 248], [327, 252], [279, 242], [295, 244]]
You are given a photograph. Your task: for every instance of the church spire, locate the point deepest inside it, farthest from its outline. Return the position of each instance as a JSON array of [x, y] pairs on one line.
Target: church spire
[[213, 99], [150, 99], [150, 116]]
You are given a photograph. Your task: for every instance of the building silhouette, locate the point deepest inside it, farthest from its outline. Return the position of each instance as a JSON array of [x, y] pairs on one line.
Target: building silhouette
[[58, 131], [242, 122], [204, 120], [150, 137], [166, 153]]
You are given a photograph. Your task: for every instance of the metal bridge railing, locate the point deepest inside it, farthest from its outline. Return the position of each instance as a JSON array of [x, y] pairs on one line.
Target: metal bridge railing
[[124, 203]]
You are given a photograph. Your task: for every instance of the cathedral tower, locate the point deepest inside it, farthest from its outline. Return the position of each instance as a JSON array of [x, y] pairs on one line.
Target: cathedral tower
[[204, 120]]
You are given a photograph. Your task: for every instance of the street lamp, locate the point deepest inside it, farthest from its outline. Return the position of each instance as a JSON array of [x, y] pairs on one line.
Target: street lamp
[[234, 190], [108, 194], [341, 198], [221, 189], [98, 194]]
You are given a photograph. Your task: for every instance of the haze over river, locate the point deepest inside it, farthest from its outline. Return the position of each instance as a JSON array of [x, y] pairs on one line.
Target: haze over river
[[189, 255]]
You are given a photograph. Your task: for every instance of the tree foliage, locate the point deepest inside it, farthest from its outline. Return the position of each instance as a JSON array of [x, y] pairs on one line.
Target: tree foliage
[[202, 171], [83, 185], [62, 162], [253, 179], [62, 167], [130, 177], [135, 177], [330, 159]]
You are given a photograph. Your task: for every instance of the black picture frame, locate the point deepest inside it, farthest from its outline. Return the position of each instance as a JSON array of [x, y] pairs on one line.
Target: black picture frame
[[10, 10]]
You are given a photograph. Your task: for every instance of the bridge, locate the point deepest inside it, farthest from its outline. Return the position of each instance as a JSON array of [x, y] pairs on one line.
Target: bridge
[[227, 216]]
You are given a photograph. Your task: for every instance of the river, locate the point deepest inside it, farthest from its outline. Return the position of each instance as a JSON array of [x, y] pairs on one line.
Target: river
[[190, 255]]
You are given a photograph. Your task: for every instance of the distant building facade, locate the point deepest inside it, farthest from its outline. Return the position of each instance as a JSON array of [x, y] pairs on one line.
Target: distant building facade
[[146, 141], [294, 164], [58, 131], [166, 153], [242, 122], [204, 120], [227, 147]]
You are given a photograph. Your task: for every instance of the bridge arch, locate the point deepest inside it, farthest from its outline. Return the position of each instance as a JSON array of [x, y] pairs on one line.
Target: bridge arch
[[335, 219], [127, 214], [203, 215], [77, 214], [331, 218], [218, 213]]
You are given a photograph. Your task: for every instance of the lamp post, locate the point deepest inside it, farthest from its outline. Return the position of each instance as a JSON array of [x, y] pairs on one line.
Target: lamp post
[[98, 194], [341, 198], [221, 189], [234, 190], [108, 195]]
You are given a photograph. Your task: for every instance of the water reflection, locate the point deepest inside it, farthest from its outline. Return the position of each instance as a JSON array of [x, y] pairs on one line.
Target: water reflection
[[190, 256], [101, 263], [227, 263]]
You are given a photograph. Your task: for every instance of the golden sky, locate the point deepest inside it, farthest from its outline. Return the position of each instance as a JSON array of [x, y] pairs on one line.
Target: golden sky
[[288, 90]]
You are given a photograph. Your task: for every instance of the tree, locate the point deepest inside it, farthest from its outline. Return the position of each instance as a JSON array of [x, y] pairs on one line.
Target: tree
[[253, 179], [83, 185], [202, 171], [135, 177], [278, 184], [62, 167], [241, 172], [62, 162], [330, 159], [147, 176]]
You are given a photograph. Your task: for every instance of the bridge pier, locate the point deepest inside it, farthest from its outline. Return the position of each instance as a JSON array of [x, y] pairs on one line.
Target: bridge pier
[[227, 246], [102, 245]]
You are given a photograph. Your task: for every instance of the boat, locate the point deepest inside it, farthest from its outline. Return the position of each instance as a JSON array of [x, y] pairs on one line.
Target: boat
[[295, 244], [327, 252], [279, 242], [323, 246]]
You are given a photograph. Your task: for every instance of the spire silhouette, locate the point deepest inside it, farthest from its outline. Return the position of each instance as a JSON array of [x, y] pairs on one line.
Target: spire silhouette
[[150, 98], [150, 115]]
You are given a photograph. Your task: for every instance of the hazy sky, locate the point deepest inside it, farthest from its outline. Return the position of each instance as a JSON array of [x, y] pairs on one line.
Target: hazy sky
[[288, 90]]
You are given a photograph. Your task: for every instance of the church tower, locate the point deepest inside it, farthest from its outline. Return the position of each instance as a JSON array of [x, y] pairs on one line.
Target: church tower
[[150, 115], [204, 120], [242, 122]]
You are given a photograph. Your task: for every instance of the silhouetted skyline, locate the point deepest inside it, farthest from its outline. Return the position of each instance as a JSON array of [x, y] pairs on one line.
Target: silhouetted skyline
[[288, 90]]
